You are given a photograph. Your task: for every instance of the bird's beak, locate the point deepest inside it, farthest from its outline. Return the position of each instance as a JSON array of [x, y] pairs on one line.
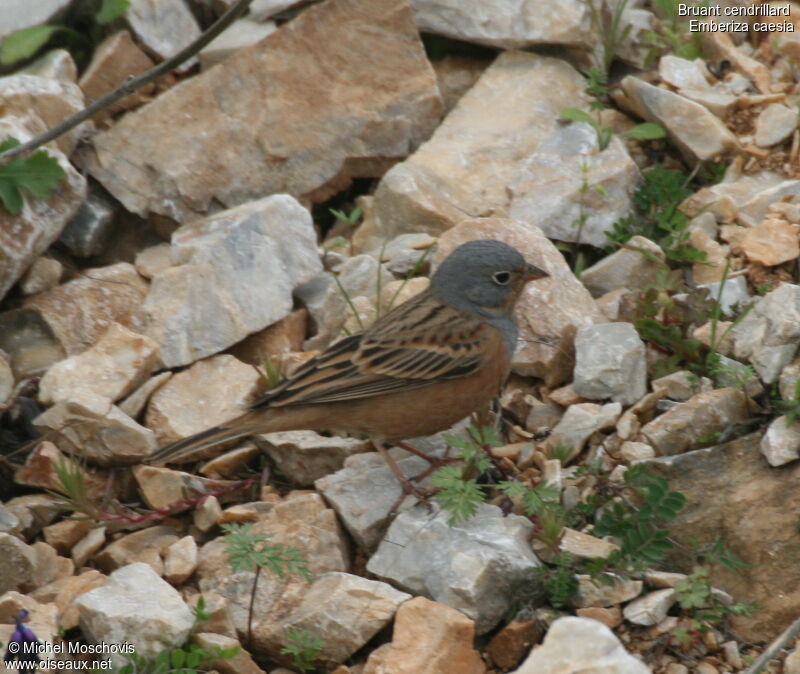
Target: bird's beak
[[532, 272]]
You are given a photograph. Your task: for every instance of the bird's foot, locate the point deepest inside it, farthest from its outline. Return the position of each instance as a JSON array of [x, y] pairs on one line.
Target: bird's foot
[[422, 494]]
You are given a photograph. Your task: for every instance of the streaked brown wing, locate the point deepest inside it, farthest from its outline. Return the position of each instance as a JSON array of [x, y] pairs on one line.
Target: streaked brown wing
[[419, 341]]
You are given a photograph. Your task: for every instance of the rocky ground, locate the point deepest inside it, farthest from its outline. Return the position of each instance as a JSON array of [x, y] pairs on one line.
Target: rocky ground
[[303, 173]]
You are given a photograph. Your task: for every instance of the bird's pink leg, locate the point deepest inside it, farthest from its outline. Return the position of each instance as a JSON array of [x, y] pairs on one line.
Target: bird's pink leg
[[405, 483]]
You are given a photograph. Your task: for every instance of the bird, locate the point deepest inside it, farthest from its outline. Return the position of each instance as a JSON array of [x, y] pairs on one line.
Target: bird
[[420, 368]]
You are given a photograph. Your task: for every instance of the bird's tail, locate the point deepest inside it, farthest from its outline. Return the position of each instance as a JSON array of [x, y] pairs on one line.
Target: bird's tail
[[187, 449]]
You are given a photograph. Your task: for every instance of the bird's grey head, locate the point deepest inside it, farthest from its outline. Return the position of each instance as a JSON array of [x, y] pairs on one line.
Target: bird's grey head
[[484, 278]]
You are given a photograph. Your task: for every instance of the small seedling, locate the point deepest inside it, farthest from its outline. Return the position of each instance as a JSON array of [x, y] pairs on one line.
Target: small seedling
[[304, 649]]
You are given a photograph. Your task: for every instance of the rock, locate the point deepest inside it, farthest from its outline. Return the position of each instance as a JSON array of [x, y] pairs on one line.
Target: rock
[[121, 612], [66, 533], [114, 60], [513, 642], [25, 236], [33, 511], [610, 617], [175, 410], [241, 33], [180, 560], [584, 545], [696, 131], [787, 384], [456, 75], [772, 242], [465, 169], [735, 293], [697, 421], [163, 488], [750, 500], [17, 563], [636, 451], [18, 14], [431, 638], [49, 566], [651, 608], [478, 567], [241, 663], [112, 368], [682, 73], [632, 267], [230, 296], [147, 546], [364, 491], [306, 456], [6, 379], [163, 27], [548, 190], [85, 548], [767, 336], [775, 124], [343, 610], [285, 336], [733, 374], [720, 46], [88, 232], [591, 593], [610, 363], [93, 428], [39, 470], [261, 10], [136, 401], [56, 64], [560, 303], [308, 152], [680, 385], [580, 422], [581, 645], [43, 274], [781, 443], [230, 464], [78, 312], [712, 268], [496, 24], [302, 522], [153, 260]]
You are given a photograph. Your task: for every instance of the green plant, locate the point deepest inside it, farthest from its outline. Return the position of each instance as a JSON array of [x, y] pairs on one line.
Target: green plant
[[559, 580], [304, 649], [248, 551], [351, 218], [643, 131], [38, 175], [790, 408], [87, 19], [186, 659], [672, 34]]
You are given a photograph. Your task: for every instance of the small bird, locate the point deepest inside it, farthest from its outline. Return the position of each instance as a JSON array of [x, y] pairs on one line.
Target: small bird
[[420, 368]]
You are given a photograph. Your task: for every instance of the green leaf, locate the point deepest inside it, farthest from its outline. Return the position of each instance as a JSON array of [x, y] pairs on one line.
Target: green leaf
[[24, 43], [646, 131], [39, 174], [577, 115], [459, 497], [110, 10]]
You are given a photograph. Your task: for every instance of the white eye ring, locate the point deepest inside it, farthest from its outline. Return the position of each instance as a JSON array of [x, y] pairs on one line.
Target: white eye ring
[[501, 278]]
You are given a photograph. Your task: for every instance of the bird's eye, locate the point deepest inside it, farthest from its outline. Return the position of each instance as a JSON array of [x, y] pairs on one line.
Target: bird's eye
[[501, 277]]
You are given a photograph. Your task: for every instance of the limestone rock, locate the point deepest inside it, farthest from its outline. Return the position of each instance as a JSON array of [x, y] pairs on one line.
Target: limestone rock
[[224, 385], [689, 424], [696, 131], [781, 442], [89, 231], [285, 336], [610, 363], [431, 638], [164, 27], [180, 560], [164, 487], [629, 267], [97, 430], [17, 563], [748, 510], [478, 566], [581, 646], [25, 236], [147, 546], [548, 193], [241, 33], [376, 105], [775, 124], [465, 169], [560, 304], [772, 242], [19, 14], [112, 368], [43, 274], [214, 296], [651, 608], [579, 422], [498, 24], [305, 456], [120, 611], [136, 401], [513, 642], [6, 379], [591, 593]]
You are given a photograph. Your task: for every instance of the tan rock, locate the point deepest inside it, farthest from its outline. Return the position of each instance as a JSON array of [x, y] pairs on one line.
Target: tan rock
[[154, 259], [137, 401], [39, 470], [229, 464], [6, 379], [651, 608], [117, 364], [722, 46], [241, 663], [456, 75], [72, 589], [634, 266], [513, 642], [56, 64], [164, 487], [180, 560], [560, 303], [580, 544], [241, 33], [43, 274], [207, 514], [775, 124], [80, 311], [17, 563], [696, 421], [591, 593], [227, 385], [66, 533], [114, 60], [352, 131], [285, 336], [431, 638], [465, 169], [25, 236], [772, 242], [611, 617], [148, 546], [85, 548], [712, 268]]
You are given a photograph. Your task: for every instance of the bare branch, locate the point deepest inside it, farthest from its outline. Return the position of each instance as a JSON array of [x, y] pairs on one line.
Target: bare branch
[[131, 85]]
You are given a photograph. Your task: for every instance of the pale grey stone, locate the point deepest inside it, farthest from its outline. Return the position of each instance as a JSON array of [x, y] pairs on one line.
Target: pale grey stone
[[57, 64], [781, 442], [234, 274], [17, 563], [19, 14], [610, 362], [775, 124], [597, 593], [651, 608], [43, 274], [138, 607], [634, 267], [547, 191], [579, 422], [478, 567], [163, 27], [241, 33], [734, 293], [681, 73], [581, 645]]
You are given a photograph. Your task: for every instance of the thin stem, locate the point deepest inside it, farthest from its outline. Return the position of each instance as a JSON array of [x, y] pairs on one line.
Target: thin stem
[[130, 85], [250, 610]]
